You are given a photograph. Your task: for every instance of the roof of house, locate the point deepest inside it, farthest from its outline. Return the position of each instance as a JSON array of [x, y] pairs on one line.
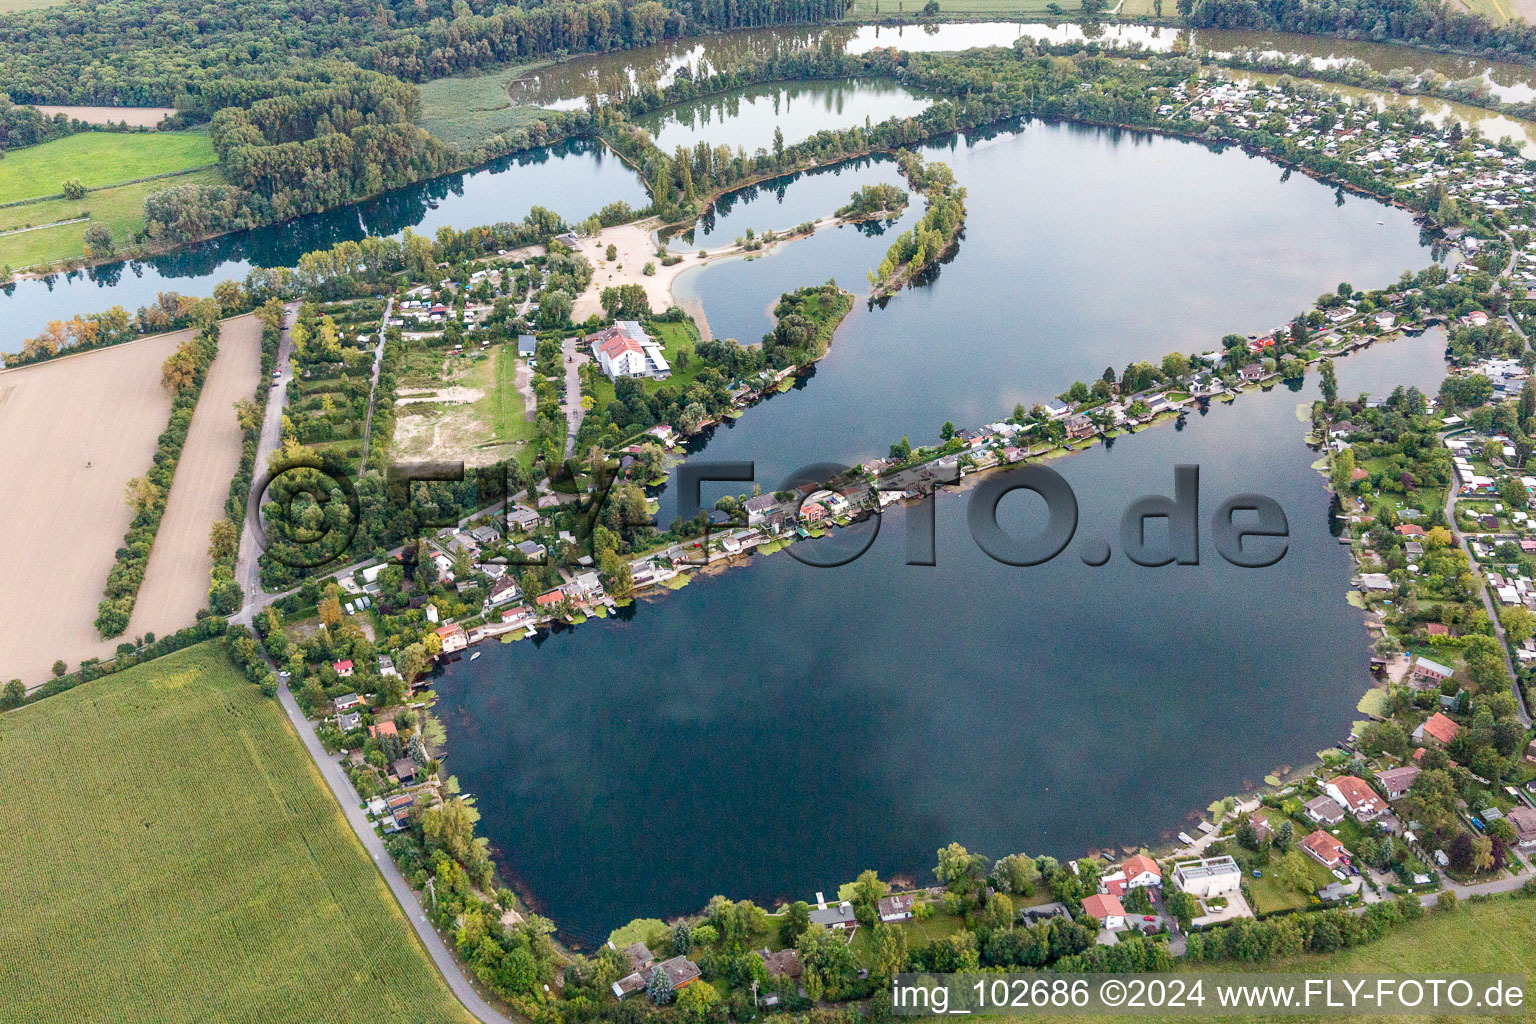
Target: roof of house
[[1524, 821], [552, 598], [403, 767], [842, 913], [342, 666], [1099, 906], [1398, 779], [1138, 863], [450, 629], [896, 903], [1432, 666], [784, 961], [1357, 793], [384, 729], [1441, 728], [680, 970], [1325, 807], [1325, 846]]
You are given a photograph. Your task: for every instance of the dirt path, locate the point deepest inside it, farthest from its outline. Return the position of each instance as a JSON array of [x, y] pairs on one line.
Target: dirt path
[[574, 413], [73, 432], [176, 579]]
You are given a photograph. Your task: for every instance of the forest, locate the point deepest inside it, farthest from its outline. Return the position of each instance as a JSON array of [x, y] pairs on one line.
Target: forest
[[1419, 22], [166, 52]]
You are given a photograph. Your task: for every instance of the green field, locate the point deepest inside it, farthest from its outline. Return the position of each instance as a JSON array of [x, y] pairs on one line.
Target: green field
[[121, 209], [10, 6], [504, 405], [173, 855], [99, 159], [466, 110]]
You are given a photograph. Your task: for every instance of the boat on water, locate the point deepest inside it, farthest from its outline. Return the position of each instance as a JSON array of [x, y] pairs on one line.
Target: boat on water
[[477, 654]]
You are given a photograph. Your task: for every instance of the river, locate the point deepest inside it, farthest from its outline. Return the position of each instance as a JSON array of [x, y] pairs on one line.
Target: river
[[770, 731]]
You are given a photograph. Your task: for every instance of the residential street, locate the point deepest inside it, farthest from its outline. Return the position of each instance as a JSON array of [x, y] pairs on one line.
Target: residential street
[[351, 806]]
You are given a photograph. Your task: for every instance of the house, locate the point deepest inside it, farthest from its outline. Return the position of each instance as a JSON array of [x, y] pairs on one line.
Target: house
[[586, 586], [759, 508], [1105, 909], [547, 602], [526, 343], [1253, 371], [1325, 849], [895, 907], [343, 668], [531, 551], [680, 971], [813, 512], [1429, 672], [1079, 426], [1523, 820], [641, 960], [403, 769], [1357, 795], [1325, 810], [1437, 728], [840, 916], [484, 535], [347, 721], [785, 962], [453, 637], [523, 518], [1136, 870], [1396, 781], [504, 590], [1212, 876], [387, 667], [383, 729], [1530, 752], [518, 618], [348, 701], [625, 350]]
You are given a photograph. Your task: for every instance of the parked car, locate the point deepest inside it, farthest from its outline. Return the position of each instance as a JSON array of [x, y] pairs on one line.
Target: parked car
[[1341, 876]]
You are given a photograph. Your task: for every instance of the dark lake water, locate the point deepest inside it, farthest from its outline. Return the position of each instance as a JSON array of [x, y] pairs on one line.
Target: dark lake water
[[574, 179], [771, 731]]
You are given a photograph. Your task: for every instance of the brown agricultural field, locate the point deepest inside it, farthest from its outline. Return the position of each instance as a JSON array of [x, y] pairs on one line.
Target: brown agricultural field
[[176, 578], [73, 432], [138, 117]]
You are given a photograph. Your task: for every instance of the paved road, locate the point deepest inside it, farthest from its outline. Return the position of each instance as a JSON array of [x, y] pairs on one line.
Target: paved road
[[351, 806], [373, 386], [574, 413], [247, 571], [1493, 613]]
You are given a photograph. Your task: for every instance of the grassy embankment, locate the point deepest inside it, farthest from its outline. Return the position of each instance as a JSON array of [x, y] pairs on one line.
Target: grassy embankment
[[178, 857], [103, 161]]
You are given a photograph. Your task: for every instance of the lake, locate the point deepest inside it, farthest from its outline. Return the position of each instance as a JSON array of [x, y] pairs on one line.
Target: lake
[[575, 178], [772, 730]]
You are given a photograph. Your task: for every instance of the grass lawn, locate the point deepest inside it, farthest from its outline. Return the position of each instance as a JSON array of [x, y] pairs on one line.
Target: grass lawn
[[121, 209], [469, 109], [674, 338], [99, 158], [11, 6], [919, 933], [175, 856]]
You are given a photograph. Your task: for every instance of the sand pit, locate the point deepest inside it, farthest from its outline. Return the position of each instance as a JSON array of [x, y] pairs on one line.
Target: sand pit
[[138, 117]]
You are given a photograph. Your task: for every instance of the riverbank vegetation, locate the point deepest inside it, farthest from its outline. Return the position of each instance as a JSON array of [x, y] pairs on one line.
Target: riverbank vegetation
[[934, 236]]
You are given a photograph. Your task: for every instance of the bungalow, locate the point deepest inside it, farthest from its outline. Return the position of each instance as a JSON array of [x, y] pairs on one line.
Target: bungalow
[[387, 667], [531, 550], [1396, 781], [383, 729], [343, 668], [453, 637], [1056, 409], [1106, 910], [1523, 820], [548, 601], [1409, 530], [840, 916], [784, 961], [348, 701], [518, 618], [895, 907], [526, 343], [403, 769], [1325, 849], [347, 721], [523, 518], [485, 535], [1079, 426], [1431, 673], [1136, 870], [1437, 728], [1357, 795], [1325, 810], [641, 960], [680, 971], [1253, 371]]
